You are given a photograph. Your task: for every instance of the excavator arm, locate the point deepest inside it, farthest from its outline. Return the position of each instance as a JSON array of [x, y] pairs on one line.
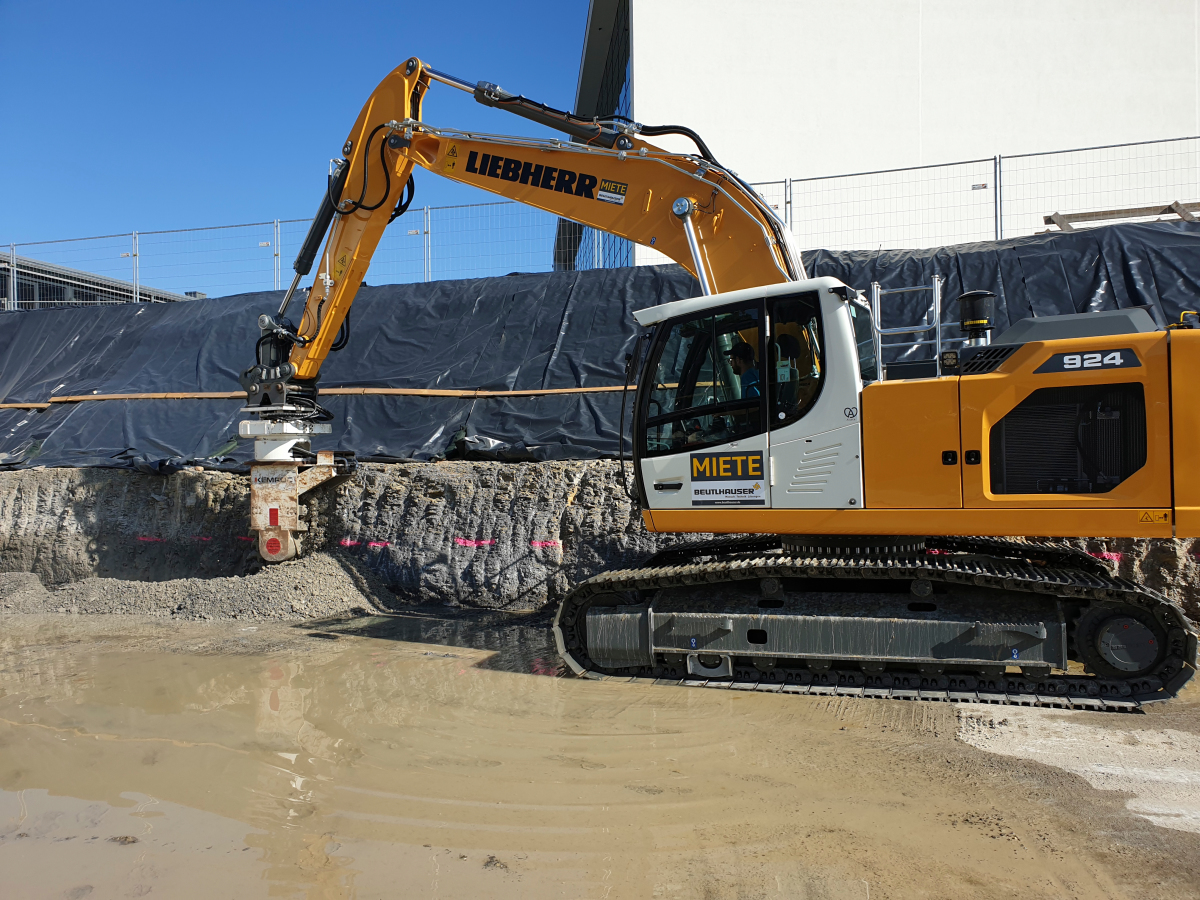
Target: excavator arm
[[606, 176]]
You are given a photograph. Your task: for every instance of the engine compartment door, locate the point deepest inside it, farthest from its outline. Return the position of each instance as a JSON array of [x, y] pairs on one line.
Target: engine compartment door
[[1074, 423]]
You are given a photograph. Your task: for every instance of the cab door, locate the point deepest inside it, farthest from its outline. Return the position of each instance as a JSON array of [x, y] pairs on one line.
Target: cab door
[[814, 383], [703, 442]]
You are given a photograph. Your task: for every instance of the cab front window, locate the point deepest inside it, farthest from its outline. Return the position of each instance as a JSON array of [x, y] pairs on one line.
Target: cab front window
[[707, 386]]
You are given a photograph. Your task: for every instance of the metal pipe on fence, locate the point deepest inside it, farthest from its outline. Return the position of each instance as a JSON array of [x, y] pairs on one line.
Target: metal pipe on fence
[[998, 195], [137, 294], [275, 247], [937, 321], [427, 258], [13, 290]]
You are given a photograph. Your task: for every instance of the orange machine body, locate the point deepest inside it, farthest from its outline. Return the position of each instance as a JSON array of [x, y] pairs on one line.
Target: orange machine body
[[910, 428]]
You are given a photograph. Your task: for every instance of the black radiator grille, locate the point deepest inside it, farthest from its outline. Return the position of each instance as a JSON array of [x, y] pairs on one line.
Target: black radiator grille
[[1070, 440], [986, 359]]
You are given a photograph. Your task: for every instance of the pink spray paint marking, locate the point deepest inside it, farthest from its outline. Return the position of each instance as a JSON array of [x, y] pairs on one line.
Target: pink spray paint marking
[[543, 543], [197, 537], [1109, 555], [346, 542], [247, 539], [378, 544], [468, 542], [150, 540]]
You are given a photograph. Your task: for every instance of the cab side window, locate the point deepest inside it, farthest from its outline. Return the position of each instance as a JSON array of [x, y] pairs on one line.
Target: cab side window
[[708, 385], [796, 364]]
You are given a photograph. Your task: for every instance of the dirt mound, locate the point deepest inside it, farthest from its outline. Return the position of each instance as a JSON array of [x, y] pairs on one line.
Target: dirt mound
[[316, 586]]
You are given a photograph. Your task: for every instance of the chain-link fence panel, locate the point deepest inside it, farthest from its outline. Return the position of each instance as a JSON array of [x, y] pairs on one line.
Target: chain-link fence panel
[[913, 208], [1115, 180]]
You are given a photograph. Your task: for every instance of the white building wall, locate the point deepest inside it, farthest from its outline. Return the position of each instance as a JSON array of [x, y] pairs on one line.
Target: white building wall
[[802, 88]]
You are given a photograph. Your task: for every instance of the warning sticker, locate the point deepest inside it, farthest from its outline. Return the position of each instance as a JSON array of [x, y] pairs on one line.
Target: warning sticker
[[451, 162], [340, 266], [728, 479], [1154, 516], [612, 191]]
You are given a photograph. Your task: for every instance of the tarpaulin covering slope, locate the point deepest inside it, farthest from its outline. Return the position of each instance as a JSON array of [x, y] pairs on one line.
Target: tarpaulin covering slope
[[1156, 265], [522, 332]]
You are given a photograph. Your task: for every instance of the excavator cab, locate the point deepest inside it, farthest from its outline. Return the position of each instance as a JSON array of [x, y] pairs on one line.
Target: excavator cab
[[750, 401]]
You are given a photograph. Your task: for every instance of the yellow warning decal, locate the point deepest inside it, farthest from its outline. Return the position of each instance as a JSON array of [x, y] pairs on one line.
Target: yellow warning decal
[[451, 159], [340, 266], [1154, 516]]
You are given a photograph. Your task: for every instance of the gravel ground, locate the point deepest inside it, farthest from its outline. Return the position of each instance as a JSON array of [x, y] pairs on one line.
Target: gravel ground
[[316, 586]]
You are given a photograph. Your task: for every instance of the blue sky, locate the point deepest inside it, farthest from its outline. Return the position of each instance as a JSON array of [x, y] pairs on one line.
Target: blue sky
[[148, 116]]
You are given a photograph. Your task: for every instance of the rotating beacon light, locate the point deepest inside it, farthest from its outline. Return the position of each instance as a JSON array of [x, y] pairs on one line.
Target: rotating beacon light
[[977, 317]]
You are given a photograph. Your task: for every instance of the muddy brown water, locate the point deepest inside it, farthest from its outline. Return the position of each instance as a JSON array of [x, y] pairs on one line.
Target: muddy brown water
[[435, 755]]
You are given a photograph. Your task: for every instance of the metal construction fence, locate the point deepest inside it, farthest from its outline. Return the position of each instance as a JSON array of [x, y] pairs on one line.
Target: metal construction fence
[[913, 207]]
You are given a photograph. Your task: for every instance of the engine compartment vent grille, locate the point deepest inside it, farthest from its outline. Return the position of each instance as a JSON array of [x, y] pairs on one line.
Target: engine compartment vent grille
[[1082, 439], [987, 359]]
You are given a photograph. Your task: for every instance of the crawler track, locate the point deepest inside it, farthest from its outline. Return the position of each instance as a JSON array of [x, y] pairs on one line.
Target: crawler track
[[1050, 571]]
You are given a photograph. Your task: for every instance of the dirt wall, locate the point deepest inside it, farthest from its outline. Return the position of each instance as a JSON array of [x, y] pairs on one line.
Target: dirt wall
[[496, 535], [511, 536]]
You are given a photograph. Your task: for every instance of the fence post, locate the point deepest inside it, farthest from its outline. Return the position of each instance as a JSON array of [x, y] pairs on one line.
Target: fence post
[[137, 294], [998, 194], [13, 291], [275, 245], [787, 203], [427, 258]]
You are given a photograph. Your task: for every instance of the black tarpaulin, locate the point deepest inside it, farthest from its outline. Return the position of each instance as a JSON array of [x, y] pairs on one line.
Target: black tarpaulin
[[522, 332], [1156, 265]]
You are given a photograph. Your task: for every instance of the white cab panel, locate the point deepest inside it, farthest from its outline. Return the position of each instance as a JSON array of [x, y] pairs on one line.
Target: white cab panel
[[661, 472], [819, 472]]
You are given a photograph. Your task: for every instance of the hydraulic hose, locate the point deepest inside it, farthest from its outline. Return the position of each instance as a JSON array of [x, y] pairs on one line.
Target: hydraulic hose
[[652, 130]]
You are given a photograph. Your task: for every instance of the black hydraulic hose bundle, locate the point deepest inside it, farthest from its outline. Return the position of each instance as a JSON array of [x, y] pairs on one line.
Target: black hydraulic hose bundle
[[404, 203], [343, 335], [357, 205], [653, 130], [632, 367]]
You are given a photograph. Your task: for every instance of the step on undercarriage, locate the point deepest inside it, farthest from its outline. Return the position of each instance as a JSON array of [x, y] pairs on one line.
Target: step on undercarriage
[[951, 619]]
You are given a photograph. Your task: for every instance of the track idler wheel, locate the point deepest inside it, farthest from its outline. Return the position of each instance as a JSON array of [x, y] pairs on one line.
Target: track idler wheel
[[1120, 641]]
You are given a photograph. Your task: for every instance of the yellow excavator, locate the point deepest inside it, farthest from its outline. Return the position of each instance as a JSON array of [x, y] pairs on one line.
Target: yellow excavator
[[763, 413]]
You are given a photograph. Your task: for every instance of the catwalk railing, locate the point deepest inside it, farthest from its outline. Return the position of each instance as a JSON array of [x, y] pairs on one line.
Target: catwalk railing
[[913, 207]]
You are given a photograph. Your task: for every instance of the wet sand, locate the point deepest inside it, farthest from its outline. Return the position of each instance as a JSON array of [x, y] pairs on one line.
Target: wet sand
[[435, 756]]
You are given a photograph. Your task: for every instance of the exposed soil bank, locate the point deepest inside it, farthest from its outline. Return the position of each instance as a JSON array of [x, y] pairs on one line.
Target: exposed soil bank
[[511, 536]]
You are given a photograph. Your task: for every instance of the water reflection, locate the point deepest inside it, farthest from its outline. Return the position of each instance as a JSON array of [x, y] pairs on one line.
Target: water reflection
[[416, 755], [519, 642]]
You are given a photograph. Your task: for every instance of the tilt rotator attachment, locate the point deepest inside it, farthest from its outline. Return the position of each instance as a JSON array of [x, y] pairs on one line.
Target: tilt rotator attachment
[[285, 466], [284, 469]]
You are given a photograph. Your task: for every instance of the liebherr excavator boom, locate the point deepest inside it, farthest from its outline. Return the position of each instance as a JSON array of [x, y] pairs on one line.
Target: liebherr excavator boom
[[762, 411]]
